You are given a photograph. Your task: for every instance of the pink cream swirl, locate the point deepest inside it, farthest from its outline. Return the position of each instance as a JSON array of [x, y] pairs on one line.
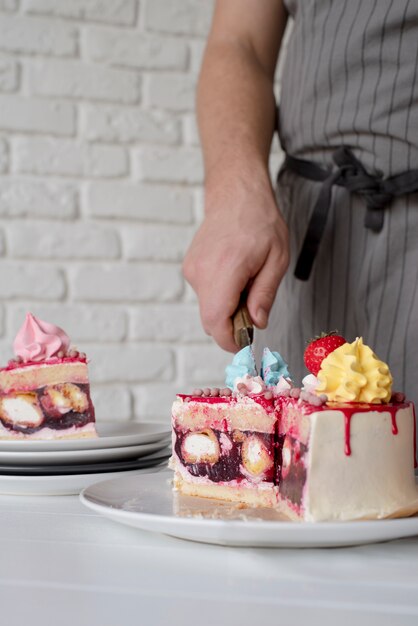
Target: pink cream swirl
[[38, 340]]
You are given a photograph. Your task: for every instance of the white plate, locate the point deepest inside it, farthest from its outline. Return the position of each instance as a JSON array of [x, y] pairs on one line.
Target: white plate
[[111, 435], [68, 469], [148, 502], [58, 485], [80, 456]]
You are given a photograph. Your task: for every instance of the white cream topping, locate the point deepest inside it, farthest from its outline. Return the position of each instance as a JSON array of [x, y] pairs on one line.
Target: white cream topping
[[282, 385], [310, 383], [254, 384]]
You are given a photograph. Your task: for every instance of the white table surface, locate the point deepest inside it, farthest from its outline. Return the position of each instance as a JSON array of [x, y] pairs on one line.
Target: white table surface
[[61, 564]]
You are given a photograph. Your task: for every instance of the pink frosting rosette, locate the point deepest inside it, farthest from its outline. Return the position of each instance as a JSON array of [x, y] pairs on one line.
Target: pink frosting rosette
[[38, 340]]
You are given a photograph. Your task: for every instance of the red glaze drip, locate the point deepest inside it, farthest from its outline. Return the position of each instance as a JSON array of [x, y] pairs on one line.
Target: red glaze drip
[[359, 407], [347, 418]]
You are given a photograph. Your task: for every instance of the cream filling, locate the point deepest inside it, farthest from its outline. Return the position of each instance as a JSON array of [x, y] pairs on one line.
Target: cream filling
[[254, 450], [286, 457], [21, 412], [61, 403], [199, 446]]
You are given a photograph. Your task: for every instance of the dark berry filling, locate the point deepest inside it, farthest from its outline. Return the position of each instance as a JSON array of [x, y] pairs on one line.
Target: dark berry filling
[[233, 462], [51, 417]]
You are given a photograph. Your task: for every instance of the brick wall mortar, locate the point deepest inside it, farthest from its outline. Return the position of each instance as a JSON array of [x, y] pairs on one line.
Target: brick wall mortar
[[101, 190]]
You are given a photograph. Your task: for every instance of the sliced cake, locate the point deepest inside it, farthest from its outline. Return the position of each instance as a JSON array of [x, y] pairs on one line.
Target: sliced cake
[[225, 440], [340, 448], [224, 446], [45, 391]]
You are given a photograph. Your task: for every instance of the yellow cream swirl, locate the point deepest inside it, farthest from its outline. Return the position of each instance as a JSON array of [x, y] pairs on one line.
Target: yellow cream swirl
[[353, 373]]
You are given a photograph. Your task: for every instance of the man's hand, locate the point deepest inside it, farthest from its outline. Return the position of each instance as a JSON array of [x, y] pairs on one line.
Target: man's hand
[[242, 243]]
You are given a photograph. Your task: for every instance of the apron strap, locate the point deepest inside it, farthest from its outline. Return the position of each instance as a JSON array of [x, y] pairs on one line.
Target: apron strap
[[349, 172]]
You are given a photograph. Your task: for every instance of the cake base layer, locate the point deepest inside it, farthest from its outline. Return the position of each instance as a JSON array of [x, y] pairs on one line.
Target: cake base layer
[[84, 432], [247, 495]]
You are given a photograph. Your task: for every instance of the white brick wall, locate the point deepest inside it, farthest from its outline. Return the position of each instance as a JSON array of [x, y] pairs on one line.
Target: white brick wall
[[121, 12], [32, 35], [68, 157], [100, 190]]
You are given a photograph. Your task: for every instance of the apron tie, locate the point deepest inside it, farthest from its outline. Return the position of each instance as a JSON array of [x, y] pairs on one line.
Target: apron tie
[[350, 173]]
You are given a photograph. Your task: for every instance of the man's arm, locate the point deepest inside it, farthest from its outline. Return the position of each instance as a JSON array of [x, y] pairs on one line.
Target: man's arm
[[243, 239]]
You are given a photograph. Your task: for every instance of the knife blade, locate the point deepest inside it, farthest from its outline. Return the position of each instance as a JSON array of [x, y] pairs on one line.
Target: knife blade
[[243, 327]]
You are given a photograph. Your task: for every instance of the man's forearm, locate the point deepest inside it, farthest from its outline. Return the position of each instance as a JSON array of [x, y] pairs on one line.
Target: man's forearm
[[236, 111], [236, 108]]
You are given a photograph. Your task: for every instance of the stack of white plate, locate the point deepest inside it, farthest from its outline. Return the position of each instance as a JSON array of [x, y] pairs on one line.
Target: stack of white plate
[[67, 466]]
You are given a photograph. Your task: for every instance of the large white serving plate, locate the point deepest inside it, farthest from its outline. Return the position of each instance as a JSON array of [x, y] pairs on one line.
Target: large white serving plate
[[148, 502], [112, 434]]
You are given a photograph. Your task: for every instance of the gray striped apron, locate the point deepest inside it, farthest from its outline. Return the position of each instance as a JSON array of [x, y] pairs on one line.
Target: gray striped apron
[[350, 79]]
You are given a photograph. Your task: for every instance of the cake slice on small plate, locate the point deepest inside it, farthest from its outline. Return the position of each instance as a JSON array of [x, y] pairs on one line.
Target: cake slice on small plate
[[45, 391]]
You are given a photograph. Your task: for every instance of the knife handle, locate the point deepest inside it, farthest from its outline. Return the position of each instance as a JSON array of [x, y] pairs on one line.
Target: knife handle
[[242, 324]]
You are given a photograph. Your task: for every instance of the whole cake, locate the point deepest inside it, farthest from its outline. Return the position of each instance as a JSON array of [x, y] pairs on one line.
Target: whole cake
[[342, 447], [44, 390]]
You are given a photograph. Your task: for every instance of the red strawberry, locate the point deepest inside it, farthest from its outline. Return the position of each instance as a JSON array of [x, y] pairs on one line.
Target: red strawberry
[[319, 348]]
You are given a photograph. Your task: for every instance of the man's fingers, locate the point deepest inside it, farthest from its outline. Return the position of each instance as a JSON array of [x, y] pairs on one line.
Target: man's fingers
[[216, 310], [263, 289], [218, 302], [219, 326], [221, 262], [222, 333]]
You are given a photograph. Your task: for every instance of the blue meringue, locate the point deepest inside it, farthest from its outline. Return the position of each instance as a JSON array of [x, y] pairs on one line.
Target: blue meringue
[[273, 367], [243, 363]]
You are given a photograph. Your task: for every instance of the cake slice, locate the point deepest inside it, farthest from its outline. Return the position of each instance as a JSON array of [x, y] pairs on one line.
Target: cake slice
[[354, 456], [45, 391], [345, 461], [224, 446]]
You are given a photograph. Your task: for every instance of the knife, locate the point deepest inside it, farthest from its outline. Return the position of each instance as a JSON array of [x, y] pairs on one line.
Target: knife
[[243, 326]]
